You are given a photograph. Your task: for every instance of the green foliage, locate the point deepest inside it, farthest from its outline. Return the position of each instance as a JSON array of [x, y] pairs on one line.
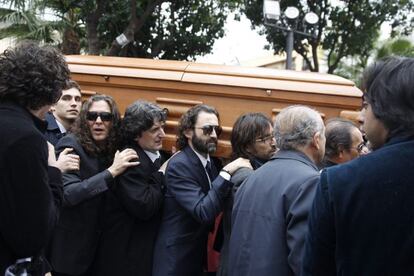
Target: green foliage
[[27, 24], [347, 28], [180, 29], [352, 68], [396, 47], [175, 29]]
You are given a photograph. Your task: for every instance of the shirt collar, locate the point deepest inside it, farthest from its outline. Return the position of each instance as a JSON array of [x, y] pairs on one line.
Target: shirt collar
[[202, 158], [61, 127], [153, 156]]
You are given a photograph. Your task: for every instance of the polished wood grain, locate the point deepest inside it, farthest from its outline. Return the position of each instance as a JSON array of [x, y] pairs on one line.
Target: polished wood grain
[[233, 90]]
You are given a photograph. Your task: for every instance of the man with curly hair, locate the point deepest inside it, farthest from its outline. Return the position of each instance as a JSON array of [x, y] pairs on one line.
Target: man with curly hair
[[195, 195], [134, 203], [31, 81]]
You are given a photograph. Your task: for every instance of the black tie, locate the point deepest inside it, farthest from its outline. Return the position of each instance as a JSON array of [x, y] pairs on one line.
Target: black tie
[[157, 162], [209, 171]]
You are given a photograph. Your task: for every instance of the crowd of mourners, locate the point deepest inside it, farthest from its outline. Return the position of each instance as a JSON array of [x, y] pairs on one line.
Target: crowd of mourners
[[86, 191]]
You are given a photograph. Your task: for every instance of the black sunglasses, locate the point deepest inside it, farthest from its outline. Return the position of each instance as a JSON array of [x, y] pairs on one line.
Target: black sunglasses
[[208, 129], [105, 116]]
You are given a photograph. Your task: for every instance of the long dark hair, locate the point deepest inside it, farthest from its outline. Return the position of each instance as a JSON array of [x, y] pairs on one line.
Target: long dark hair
[[388, 88], [83, 134], [247, 128]]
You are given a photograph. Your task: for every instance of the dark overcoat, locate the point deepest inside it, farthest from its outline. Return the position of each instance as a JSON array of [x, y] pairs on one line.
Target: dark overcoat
[[362, 220], [190, 208], [132, 219], [75, 241], [269, 219], [30, 190]]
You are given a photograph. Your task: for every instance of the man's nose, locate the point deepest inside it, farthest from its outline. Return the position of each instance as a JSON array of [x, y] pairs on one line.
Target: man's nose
[[73, 102], [98, 120], [162, 132], [213, 133]]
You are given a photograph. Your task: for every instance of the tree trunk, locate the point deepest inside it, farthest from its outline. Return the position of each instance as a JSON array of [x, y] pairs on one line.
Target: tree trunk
[[92, 34], [70, 43], [92, 21], [315, 57], [135, 25]]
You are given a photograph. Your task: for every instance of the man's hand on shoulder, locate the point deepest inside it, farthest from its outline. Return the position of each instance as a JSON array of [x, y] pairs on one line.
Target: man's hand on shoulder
[[233, 166], [68, 161], [123, 160]]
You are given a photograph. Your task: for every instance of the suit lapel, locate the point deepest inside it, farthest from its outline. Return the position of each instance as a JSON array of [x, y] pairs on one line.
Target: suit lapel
[[144, 159], [199, 169]]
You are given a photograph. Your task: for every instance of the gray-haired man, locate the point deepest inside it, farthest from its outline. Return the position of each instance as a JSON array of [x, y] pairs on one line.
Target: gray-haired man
[[271, 208]]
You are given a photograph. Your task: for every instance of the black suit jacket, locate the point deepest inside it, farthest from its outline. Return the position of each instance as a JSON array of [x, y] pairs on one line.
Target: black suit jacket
[[132, 219], [52, 132], [30, 191], [75, 241], [190, 208], [362, 220]]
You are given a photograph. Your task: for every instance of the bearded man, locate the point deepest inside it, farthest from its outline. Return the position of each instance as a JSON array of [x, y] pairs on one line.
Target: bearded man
[[195, 195]]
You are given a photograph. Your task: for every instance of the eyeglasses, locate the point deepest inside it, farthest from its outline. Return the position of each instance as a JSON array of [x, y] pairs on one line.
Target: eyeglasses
[[208, 129], [361, 147], [105, 116], [265, 139]]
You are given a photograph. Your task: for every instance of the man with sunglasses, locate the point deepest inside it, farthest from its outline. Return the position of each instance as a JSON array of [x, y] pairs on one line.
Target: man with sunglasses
[[362, 218], [94, 138], [195, 195], [344, 142]]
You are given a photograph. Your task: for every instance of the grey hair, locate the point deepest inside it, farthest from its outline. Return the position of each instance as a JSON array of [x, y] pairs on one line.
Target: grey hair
[[295, 127]]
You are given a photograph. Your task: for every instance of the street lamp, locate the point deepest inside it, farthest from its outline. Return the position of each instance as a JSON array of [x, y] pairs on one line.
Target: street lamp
[[287, 22]]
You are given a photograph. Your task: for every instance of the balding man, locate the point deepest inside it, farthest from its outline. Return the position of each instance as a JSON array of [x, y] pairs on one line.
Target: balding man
[[344, 142], [271, 207]]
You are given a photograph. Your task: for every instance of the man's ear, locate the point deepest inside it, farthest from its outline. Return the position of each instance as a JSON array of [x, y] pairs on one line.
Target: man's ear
[[188, 133], [341, 150], [316, 140], [250, 149]]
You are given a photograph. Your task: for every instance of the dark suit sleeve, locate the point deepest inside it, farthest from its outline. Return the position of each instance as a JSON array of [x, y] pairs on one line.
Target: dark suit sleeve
[[297, 222], [75, 189], [28, 207], [183, 184], [319, 257], [140, 193]]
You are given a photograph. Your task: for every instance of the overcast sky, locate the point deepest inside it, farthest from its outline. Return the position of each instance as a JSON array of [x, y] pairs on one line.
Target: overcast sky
[[241, 43]]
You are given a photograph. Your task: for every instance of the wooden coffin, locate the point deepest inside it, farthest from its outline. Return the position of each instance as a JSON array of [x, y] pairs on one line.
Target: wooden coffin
[[233, 90]]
